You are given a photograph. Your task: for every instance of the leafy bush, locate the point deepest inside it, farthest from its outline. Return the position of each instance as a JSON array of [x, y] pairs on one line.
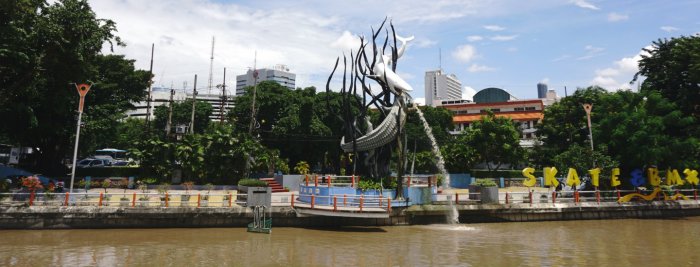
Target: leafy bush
[[485, 183], [502, 173], [252, 183], [188, 185], [368, 184]]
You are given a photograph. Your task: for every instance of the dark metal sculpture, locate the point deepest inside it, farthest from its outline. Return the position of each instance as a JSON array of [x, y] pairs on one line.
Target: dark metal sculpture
[[371, 145]]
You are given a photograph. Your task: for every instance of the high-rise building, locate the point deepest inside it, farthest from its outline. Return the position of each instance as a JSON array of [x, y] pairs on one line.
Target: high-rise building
[[541, 90], [440, 86], [279, 74]]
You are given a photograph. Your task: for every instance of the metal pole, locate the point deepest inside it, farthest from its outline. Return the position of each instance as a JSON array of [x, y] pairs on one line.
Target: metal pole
[[150, 85], [194, 102], [82, 91], [75, 152], [588, 108]]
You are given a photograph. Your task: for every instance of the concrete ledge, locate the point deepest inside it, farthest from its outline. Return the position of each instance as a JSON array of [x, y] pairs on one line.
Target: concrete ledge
[[523, 212], [22, 217]]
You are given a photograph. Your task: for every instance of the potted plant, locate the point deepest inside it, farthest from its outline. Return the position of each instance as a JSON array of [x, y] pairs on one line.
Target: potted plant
[[86, 185], [124, 200], [163, 191], [143, 199], [227, 193], [4, 187], [106, 183], [49, 195], [185, 199], [32, 183], [205, 198], [487, 189]]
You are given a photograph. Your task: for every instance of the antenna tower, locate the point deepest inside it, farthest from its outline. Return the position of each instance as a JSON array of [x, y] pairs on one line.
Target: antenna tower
[[211, 66]]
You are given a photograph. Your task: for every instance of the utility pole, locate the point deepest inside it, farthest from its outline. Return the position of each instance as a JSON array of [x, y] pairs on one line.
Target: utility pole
[[255, 90], [223, 98], [170, 113], [150, 84], [252, 111], [194, 103]]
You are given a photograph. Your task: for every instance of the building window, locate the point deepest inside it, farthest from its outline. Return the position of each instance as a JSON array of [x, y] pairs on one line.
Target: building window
[[530, 108], [519, 109]]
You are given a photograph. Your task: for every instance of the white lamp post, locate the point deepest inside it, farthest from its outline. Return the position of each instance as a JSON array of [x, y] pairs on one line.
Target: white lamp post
[[82, 91]]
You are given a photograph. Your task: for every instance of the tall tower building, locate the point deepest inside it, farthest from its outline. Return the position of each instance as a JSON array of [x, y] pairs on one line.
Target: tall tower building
[[280, 74], [541, 90], [441, 86]]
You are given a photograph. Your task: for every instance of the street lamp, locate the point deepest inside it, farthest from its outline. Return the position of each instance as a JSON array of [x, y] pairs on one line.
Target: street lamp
[[588, 108], [82, 91]]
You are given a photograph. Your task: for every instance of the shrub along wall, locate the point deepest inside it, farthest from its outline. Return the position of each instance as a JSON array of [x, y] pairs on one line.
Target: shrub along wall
[[501, 173]]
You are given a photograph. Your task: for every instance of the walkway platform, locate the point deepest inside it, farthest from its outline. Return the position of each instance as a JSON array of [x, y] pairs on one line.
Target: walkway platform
[[304, 209]]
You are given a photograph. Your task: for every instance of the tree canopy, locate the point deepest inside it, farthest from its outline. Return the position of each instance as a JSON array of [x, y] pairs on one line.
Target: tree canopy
[[672, 67], [48, 48], [495, 140]]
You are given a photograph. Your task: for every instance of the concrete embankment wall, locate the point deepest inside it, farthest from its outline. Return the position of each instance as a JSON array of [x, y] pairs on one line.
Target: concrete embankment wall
[[524, 212], [21, 217]]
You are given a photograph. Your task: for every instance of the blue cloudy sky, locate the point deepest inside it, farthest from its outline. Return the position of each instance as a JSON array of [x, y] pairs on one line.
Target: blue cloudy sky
[[497, 43]]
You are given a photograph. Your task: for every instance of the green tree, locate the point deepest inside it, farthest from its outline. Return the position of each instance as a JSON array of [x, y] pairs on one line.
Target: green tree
[[496, 140], [459, 156], [117, 85], [49, 48], [182, 115], [565, 123], [643, 129], [672, 67], [632, 129], [440, 121]]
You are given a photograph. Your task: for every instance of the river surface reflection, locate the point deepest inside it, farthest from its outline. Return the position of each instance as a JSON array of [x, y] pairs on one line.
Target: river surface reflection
[[566, 243]]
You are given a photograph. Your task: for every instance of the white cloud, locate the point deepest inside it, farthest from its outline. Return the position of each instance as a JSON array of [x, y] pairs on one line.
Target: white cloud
[[584, 4], [494, 28], [480, 68], [614, 17], [474, 38], [622, 70], [669, 28], [468, 93], [561, 58], [545, 81], [591, 51], [503, 37], [423, 42], [182, 30], [512, 49], [347, 41], [419, 100], [464, 53]]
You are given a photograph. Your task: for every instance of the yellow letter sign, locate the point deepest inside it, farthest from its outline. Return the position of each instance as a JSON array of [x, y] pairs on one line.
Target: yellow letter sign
[[572, 178], [653, 175], [672, 177], [530, 181], [549, 179], [595, 175], [615, 177], [691, 176]]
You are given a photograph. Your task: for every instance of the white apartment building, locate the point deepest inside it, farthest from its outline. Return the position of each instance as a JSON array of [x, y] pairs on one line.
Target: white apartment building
[[440, 86], [279, 73]]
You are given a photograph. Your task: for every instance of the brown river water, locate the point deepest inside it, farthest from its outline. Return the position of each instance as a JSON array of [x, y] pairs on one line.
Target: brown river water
[[672, 242]]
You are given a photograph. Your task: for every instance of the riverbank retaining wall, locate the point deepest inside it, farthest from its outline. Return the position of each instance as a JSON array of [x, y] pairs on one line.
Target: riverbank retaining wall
[[23, 217]]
